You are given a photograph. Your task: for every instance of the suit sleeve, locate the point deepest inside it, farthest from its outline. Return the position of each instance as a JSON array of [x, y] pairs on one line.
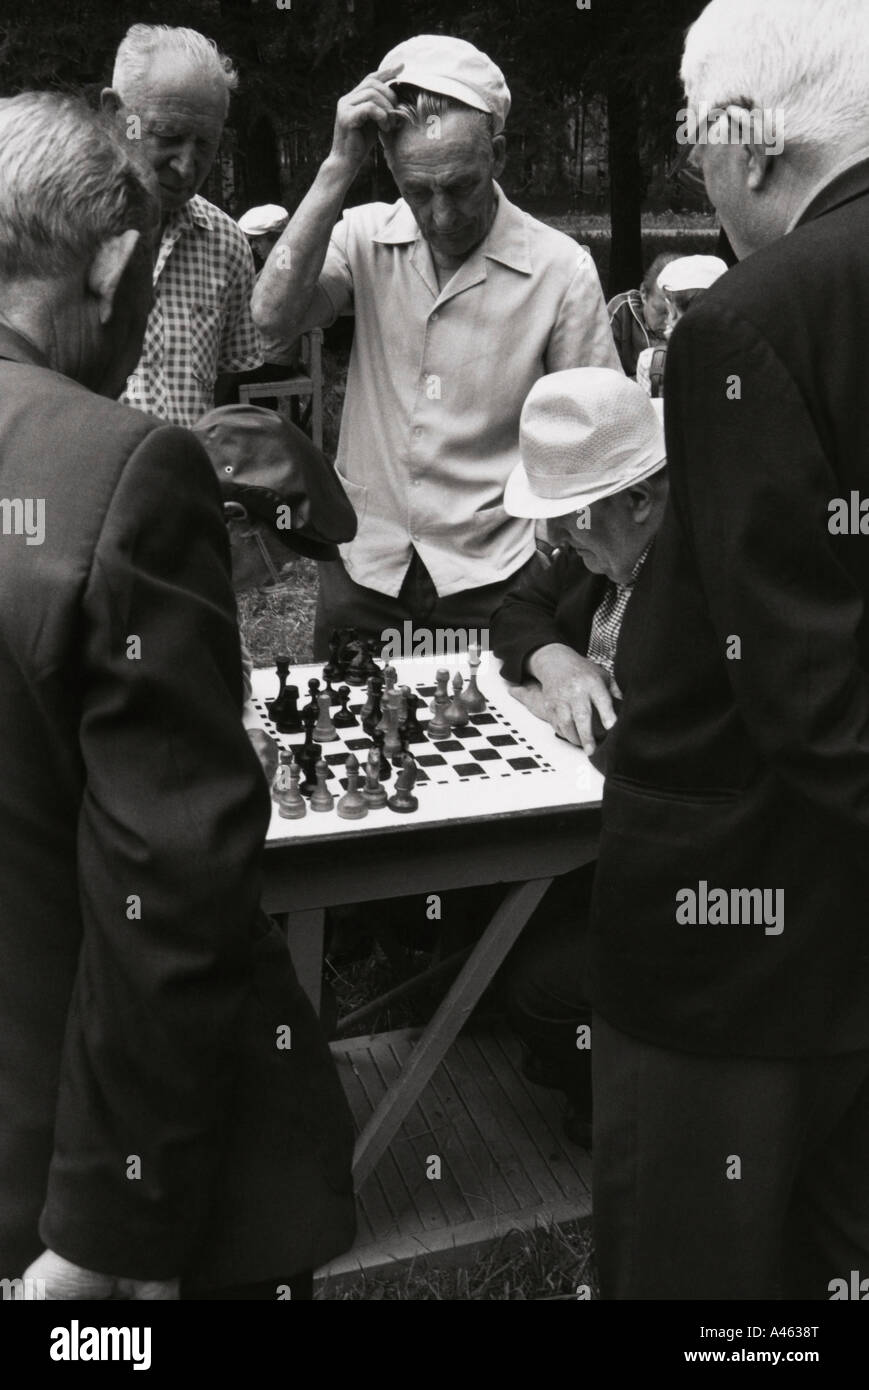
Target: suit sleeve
[[170, 836], [581, 335], [750, 486], [526, 619]]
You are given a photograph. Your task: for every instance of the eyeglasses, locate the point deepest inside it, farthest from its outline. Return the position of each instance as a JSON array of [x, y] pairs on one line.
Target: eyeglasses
[[684, 174]]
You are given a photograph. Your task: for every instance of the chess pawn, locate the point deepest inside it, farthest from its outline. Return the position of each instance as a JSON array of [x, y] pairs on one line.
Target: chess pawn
[[352, 805], [321, 798], [455, 713], [345, 718], [442, 679], [324, 729], [402, 800], [374, 792], [472, 697], [439, 725], [291, 803]]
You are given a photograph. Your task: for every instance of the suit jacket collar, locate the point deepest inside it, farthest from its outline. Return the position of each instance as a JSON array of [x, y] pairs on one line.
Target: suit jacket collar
[[16, 348], [852, 183]]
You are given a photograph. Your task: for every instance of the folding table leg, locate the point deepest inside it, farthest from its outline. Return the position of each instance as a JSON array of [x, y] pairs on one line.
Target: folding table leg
[[444, 1028]]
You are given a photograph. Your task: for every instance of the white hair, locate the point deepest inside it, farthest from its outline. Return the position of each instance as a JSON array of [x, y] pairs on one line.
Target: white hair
[[807, 59], [416, 106], [143, 45], [68, 182]]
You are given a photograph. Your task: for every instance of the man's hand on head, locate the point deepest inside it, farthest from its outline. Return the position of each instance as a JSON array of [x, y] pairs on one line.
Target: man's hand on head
[[66, 1281], [360, 115], [571, 688]]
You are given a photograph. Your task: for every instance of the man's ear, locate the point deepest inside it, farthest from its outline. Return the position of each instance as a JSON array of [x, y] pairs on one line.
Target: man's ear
[[499, 155], [759, 165], [110, 102], [107, 269]]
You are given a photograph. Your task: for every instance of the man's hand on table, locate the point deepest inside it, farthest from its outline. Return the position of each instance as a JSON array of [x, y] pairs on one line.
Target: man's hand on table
[[567, 688], [360, 114], [64, 1280]]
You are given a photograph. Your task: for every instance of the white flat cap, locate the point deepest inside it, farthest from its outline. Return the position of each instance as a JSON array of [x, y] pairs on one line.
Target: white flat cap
[[691, 273], [454, 68], [583, 434], [260, 221]]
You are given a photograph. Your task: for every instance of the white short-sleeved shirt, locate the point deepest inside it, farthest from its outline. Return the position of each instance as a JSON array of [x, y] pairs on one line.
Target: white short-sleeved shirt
[[437, 379], [200, 323]]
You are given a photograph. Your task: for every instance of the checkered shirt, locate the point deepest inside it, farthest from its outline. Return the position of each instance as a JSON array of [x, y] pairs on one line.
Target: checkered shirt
[[200, 323], [607, 621]]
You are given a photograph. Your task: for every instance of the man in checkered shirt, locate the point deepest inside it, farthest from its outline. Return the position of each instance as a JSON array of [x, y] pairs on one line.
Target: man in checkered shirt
[[170, 90]]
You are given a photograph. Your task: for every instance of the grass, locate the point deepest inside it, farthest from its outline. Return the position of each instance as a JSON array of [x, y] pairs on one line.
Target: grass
[[548, 1264]]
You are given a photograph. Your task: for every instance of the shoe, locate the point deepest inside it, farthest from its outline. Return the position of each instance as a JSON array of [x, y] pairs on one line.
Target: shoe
[[577, 1126]]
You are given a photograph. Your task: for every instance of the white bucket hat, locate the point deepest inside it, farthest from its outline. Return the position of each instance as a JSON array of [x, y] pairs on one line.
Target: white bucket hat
[[583, 434]]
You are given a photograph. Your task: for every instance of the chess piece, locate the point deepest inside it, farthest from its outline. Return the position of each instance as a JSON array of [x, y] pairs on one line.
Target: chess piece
[[291, 803], [373, 791], [472, 697], [324, 729], [455, 712], [391, 741], [359, 669], [309, 753], [352, 805], [329, 694], [375, 686], [442, 679], [281, 779], [288, 719], [332, 670], [403, 696], [413, 729], [439, 726], [282, 666], [345, 718], [321, 798], [398, 758], [402, 800], [390, 677], [385, 770], [374, 718]]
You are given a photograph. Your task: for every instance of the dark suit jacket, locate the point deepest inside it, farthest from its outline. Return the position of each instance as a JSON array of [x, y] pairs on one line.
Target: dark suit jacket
[[552, 602], [751, 770], [149, 1126]]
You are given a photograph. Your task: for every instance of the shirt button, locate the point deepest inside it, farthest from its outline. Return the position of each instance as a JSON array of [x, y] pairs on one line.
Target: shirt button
[[435, 316], [417, 429], [416, 482]]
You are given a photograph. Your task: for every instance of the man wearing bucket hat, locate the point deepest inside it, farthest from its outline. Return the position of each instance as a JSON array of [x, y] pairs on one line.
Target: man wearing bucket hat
[[462, 301], [593, 465], [680, 282]]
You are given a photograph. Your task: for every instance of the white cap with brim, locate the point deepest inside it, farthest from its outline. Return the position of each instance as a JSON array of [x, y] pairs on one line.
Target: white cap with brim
[[583, 435], [691, 273], [260, 221], [453, 68]]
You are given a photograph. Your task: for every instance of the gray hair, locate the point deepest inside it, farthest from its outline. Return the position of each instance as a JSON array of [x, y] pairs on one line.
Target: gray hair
[[143, 44], [807, 59], [416, 106], [68, 182]]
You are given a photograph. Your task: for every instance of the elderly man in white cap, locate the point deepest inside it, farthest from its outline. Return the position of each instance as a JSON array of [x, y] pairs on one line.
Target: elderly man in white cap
[[593, 465], [680, 282], [462, 301]]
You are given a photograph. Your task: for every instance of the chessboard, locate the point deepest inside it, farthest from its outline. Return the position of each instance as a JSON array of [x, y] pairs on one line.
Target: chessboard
[[504, 761]]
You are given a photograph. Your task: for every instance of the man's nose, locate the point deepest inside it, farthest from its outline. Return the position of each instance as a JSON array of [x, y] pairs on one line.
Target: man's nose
[[443, 212], [184, 163]]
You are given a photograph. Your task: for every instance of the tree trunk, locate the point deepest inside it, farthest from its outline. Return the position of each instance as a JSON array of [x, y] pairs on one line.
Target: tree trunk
[[626, 247]]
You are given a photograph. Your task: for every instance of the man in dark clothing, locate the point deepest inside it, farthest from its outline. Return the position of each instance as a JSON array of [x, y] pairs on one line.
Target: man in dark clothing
[[730, 957], [592, 465]]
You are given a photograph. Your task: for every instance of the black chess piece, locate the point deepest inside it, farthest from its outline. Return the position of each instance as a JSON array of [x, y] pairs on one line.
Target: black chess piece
[[347, 640], [375, 715], [403, 800], [413, 729], [379, 738], [309, 754], [332, 670], [375, 686], [345, 718], [399, 757], [282, 667], [288, 719]]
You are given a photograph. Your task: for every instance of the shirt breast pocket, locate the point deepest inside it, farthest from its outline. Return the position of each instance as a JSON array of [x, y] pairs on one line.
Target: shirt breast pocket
[[204, 328]]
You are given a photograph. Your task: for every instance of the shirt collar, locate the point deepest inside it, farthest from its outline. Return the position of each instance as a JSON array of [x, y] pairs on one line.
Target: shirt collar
[[635, 572], [506, 241], [194, 213], [841, 168]]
